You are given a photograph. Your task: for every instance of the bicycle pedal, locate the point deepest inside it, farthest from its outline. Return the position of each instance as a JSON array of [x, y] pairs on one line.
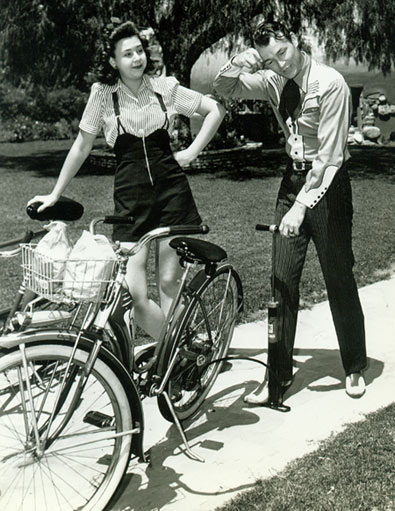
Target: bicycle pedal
[[98, 419]]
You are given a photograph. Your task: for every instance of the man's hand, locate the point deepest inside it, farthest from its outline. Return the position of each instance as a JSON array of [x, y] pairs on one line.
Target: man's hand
[[249, 59], [291, 222]]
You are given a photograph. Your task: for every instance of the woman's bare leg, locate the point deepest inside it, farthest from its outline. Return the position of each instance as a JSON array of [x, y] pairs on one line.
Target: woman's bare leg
[[169, 273], [147, 313]]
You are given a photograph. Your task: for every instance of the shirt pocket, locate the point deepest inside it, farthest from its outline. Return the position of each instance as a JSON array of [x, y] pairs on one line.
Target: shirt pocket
[[310, 116]]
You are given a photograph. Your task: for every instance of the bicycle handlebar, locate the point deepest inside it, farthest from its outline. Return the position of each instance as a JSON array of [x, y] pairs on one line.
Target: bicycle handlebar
[[266, 227], [29, 235], [112, 219], [181, 230]]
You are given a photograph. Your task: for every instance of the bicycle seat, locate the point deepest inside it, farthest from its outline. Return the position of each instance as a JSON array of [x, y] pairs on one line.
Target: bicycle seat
[[63, 209], [192, 249]]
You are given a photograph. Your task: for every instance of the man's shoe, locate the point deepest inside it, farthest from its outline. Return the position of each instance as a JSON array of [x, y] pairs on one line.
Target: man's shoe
[[355, 385], [260, 395]]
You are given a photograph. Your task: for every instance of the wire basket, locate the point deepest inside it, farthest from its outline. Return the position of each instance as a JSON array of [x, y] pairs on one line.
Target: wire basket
[[66, 280]]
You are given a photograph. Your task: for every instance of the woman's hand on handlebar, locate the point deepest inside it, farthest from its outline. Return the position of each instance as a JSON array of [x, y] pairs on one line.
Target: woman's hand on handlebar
[[46, 201]]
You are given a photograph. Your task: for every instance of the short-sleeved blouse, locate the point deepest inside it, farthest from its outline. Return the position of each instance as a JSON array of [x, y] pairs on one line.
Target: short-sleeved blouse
[[140, 115]]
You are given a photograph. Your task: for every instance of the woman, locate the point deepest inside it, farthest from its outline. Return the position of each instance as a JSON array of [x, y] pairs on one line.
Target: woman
[[134, 110]]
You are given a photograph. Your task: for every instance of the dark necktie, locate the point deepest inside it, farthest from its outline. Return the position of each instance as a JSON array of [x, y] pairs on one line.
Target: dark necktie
[[289, 100]]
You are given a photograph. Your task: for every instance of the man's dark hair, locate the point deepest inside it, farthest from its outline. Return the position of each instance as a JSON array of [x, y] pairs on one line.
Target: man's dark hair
[[266, 30], [106, 73]]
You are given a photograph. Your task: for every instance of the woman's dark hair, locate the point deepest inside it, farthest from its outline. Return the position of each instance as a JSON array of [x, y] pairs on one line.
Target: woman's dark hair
[[105, 72], [266, 30]]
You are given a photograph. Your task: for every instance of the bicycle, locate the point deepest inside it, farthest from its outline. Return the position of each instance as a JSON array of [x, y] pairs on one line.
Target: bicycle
[[70, 398]]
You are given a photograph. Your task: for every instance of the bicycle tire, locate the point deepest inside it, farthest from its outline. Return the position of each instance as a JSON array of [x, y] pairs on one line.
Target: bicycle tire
[[191, 378], [72, 473]]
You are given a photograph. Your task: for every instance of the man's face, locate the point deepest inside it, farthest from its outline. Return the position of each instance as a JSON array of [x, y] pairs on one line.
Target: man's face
[[282, 57]]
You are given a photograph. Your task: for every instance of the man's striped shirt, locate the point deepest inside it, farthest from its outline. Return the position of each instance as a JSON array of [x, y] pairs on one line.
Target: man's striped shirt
[[319, 132]]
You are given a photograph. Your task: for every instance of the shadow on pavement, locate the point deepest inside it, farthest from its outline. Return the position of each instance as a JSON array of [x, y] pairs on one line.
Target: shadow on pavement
[[318, 364], [157, 485], [162, 482]]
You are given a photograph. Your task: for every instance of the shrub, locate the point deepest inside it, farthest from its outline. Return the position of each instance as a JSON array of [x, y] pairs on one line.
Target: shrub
[[59, 104], [35, 113]]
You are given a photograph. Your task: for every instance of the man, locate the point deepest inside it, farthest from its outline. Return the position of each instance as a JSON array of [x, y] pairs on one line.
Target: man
[[313, 107]]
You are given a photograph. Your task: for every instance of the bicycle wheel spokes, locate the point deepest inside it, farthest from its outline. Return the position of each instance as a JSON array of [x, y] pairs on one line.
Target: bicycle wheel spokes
[[217, 311], [80, 468]]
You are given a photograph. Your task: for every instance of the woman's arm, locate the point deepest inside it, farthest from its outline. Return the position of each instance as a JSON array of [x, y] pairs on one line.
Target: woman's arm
[[213, 113], [76, 156]]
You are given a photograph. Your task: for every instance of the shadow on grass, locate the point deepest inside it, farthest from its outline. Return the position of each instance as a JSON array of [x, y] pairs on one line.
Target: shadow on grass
[[44, 163], [368, 162], [45, 158]]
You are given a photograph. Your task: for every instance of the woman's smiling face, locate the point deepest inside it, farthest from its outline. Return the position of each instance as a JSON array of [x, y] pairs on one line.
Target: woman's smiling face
[[130, 58]]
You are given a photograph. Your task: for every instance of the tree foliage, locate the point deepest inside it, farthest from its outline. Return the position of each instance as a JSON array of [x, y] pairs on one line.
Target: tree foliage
[[47, 43], [362, 29], [53, 43]]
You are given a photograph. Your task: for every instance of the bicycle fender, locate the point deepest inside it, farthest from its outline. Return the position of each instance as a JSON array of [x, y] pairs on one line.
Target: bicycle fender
[[12, 341], [200, 279]]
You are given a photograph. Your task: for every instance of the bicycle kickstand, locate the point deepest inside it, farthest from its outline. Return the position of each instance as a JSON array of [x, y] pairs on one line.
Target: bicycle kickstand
[[177, 422]]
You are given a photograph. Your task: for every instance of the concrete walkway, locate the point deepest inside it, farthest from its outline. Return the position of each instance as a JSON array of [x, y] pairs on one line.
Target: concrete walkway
[[241, 443]]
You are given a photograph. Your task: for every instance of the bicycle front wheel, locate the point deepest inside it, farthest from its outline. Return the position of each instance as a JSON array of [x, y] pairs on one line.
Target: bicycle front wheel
[[80, 466], [203, 336]]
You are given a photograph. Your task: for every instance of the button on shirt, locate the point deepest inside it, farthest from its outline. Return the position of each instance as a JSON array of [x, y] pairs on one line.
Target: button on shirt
[[318, 132], [140, 115]]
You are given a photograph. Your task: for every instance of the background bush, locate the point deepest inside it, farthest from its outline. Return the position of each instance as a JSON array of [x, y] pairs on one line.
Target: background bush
[[36, 113]]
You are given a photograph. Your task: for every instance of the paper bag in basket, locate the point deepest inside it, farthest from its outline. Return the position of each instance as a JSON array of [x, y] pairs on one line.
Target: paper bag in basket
[[49, 262], [88, 268]]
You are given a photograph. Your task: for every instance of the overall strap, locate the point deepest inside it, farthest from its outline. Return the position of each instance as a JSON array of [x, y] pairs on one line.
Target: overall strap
[[164, 109], [117, 111]]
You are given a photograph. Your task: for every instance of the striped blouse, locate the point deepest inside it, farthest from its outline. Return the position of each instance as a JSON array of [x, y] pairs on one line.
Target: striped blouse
[[140, 115]]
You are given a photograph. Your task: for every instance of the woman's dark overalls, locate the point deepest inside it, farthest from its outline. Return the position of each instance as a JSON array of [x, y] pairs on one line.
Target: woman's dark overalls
[[149, 184]]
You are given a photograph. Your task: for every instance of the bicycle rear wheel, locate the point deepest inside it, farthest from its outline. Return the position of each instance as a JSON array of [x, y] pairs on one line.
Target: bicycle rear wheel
[[85, 460], [203, 336]]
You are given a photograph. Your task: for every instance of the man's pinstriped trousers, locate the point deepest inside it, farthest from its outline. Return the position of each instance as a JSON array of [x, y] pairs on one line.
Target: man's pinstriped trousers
[[329, 225]]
